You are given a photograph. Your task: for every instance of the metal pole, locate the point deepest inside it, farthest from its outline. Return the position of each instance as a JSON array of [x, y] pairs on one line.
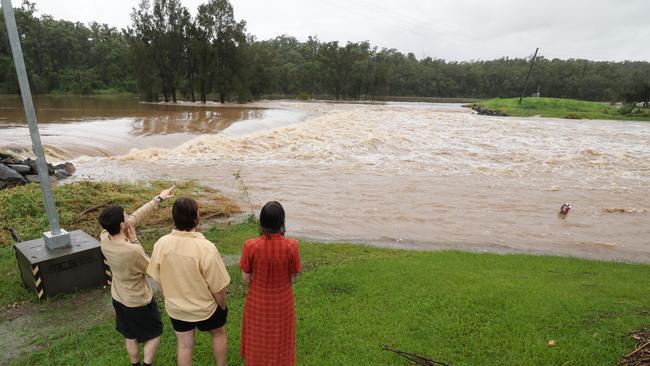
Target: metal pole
[[528, 75], [57, 237]]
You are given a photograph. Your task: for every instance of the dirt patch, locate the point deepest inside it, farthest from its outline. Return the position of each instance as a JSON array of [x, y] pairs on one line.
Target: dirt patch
[[15, 311]]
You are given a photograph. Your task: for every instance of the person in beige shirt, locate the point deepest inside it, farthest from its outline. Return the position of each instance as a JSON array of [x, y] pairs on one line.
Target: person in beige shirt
[[137, 316], [193, 280]]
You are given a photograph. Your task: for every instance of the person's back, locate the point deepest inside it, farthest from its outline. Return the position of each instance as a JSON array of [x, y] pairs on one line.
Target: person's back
[[137, 316], [273, 256], [184, 269], [193, 280], [128, 263], [269, 265]]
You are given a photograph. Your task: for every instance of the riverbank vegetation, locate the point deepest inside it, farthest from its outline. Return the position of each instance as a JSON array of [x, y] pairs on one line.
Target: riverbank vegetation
[[461, 308], [567, 108], [168, 54]]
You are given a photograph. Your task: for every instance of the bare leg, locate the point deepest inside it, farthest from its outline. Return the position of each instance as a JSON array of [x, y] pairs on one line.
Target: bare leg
[[150, 348], [220, 345], [133, 349], [185, 345]]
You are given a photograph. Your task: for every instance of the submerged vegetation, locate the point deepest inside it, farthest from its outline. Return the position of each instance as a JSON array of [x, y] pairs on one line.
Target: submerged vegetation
[[460, 308], [566, 108], [166, 53]]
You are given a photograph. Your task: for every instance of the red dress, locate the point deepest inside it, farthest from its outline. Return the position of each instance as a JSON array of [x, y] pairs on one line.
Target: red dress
[[269, 324]]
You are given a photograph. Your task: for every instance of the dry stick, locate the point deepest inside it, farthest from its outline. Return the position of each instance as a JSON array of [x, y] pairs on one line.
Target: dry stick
[[95, 208], [637, 350], [213, 215], [415, 358], [14, 234]]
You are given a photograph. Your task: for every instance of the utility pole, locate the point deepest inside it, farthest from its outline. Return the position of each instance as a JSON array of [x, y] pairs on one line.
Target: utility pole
[[56, 237], [523, 91], [58, 262]]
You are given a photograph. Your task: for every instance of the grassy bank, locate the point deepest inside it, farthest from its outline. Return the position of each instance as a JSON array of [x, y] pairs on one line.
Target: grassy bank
[[79, 205], [563, 108], [462, 308]]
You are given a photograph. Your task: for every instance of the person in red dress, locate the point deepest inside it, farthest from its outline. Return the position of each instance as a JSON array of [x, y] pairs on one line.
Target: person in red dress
[[270, 265]]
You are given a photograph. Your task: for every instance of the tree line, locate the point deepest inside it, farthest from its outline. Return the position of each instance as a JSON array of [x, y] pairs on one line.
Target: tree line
[[168, 54]]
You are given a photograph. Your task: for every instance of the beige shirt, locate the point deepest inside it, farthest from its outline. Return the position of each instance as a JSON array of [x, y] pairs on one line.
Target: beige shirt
[[191, 272], [128, 263]]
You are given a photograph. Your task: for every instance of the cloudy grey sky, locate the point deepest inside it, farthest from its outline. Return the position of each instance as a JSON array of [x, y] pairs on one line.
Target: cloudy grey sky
[[449, 29]]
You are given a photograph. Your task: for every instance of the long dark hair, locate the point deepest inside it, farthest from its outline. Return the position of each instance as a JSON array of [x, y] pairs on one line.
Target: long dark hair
[[272, 219]]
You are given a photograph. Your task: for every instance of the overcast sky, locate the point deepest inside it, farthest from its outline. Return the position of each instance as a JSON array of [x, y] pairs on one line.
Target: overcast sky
[[449, 29]]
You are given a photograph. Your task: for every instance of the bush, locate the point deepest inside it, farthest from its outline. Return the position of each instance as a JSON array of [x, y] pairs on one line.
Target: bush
[[304, 96], [629, 108]]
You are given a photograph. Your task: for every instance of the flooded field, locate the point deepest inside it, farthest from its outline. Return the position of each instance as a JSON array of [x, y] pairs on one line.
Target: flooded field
[[413, 175]]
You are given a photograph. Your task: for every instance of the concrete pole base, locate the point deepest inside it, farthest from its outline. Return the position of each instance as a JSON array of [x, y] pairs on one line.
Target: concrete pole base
[[61, 240]]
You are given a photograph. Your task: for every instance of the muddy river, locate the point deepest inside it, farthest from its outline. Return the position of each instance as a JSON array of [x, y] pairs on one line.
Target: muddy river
[[413, 175]]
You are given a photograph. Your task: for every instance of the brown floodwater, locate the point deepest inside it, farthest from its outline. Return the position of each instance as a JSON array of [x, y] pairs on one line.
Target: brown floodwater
[[425, 176], [73, 126]]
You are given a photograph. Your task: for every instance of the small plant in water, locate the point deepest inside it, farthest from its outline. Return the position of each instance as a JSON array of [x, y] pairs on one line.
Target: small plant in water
[[245, 193]]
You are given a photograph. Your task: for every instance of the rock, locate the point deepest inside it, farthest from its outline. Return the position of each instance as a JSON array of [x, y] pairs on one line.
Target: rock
[[32, 178], [10, 176], [32, 166], [6, 159], [61, 174], [67, 166], [484, 111], [20, 168]]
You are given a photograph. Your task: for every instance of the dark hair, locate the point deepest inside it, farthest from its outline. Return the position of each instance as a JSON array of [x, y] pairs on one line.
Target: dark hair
[[185, 213], [110, 219], [272, 219]]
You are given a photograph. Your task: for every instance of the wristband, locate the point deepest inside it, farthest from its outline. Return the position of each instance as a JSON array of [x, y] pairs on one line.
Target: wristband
[[158, 199]]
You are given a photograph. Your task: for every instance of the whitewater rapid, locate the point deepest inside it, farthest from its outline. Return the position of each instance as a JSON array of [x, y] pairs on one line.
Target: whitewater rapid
[[428, 176]]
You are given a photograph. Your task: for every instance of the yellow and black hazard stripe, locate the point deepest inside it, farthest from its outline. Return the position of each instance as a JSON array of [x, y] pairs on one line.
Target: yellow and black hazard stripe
[[38, 281], [107, 272]]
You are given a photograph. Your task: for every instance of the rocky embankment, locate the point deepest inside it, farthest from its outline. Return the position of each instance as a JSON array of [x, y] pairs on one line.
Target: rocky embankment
[[485, 111], [14, 171]]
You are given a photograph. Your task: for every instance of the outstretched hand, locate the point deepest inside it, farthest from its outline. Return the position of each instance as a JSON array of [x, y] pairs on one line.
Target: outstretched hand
[[167, 193]]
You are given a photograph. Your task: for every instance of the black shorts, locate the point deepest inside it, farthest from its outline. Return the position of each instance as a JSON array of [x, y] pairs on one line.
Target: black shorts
[[216, 320], [142, 323]]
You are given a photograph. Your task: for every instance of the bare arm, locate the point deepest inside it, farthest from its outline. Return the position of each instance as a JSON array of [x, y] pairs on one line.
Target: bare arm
[[294, 277], [246, 277], [220, 297]]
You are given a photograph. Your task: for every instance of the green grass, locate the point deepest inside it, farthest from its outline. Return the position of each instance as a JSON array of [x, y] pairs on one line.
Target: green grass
[[562, 108], [462, 308], [22, 209]]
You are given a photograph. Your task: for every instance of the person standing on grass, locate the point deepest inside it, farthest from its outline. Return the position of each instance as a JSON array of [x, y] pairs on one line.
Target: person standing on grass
[[136, 312], [270, 265], [193, 280]]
